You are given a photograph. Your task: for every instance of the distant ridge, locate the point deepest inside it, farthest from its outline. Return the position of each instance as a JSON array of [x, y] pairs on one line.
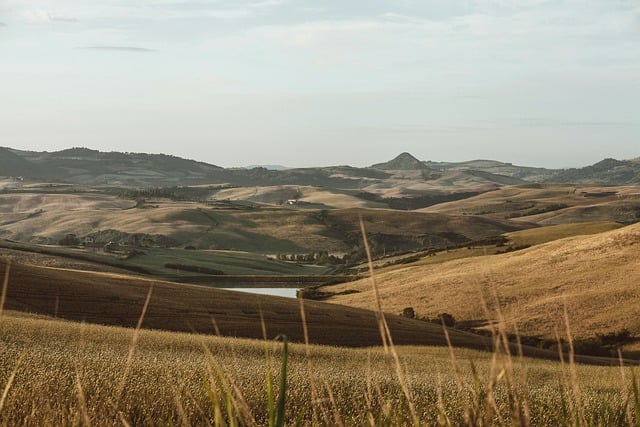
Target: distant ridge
[[13, 165], [608, 171], [404, 161], [90, 167], [269, 167]]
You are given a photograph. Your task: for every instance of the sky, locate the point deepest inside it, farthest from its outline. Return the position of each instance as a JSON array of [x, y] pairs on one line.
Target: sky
[[552, 83]]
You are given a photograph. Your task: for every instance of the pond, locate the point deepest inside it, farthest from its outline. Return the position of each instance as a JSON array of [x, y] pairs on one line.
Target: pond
[[279, 292]]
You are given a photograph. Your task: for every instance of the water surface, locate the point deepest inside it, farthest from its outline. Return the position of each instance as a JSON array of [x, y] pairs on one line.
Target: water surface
[[279, 292]]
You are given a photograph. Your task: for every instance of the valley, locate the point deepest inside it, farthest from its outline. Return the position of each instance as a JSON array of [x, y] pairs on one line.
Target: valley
[[482, 257]]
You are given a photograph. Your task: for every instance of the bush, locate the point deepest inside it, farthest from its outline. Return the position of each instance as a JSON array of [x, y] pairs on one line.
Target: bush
[[447, 319], [69, 240], [408, 312]]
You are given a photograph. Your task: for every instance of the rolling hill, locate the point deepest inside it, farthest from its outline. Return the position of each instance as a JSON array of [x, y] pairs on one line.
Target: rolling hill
[[114, 299], [118, 300], [594, 276], [547, 204], [47, 218], [87, 166]]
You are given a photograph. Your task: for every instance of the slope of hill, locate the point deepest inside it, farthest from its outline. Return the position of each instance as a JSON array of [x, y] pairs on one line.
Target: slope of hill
[[113, 299], [606, 172], [12, 164], [47, 218], [92, 167], [403, 161], [118, 300], [551, 204], [495, 167], [595, 277], [86, 166]]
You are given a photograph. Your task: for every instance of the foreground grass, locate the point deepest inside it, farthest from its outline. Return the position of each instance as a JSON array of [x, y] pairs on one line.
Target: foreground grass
[[64, 373]]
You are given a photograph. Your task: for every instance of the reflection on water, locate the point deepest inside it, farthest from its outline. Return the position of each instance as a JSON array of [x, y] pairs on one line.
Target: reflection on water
[[280, 292]]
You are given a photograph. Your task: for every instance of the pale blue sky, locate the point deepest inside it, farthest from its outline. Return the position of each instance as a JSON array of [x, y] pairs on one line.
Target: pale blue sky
[[297, 82]]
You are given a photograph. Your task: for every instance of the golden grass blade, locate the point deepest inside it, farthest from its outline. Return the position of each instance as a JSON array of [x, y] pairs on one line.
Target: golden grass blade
[[575, 385], [184, 420], [123, 420], [310, 368], [374, 286], [623, 378], [337, 419], [10, 380], [385, 333], [81, 400], [132, 349], [5, 286]]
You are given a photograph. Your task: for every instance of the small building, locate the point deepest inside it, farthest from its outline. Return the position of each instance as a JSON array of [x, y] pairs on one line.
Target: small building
[[89, 240]]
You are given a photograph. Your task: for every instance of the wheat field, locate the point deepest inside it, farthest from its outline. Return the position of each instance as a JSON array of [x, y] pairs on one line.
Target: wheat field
[[55, 372]]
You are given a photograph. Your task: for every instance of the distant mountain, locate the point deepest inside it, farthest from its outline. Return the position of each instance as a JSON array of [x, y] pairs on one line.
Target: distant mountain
[[92, 167], [12, 164], [270, 167], [403, 176], [496, 167], [86, 166], [404, 161], [607, 172]]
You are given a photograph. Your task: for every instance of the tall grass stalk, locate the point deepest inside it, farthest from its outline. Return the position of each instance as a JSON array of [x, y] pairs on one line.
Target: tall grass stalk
[[315, 402], [82, 400], [385, 333], [275, 409], [636, 397], [575, 384], [132, 349], [12, 377], [5, 286]]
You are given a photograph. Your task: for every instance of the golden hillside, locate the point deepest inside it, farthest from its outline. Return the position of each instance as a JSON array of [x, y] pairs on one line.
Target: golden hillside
[[597, 277]]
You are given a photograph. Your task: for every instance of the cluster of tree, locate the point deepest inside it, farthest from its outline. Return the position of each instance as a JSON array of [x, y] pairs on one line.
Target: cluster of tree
[[537, 211], [605, 345], [512, 249], [445, 319], [315, 257], [195, 194], [313, 293], [419, 202], [69, 240]]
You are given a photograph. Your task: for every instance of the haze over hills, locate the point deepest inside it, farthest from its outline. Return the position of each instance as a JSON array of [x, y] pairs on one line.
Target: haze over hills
[[87, 166], [191, 222]]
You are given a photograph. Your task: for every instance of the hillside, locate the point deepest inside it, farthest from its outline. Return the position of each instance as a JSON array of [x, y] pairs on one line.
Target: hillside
[[47, 218], [92, 167], [14, 165], [117, 300], [607, 171], [595, 276], [403, 161], [525, 173], [114, 299], [547, 204]]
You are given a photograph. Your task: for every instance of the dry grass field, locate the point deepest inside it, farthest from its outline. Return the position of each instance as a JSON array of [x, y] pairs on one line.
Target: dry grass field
[[75, 350], [550, 204], [55, 372], [48, 218], [274, 195], [115, 299], [594, 276]]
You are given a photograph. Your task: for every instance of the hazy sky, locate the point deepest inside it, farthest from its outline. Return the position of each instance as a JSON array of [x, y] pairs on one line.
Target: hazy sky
[[299, 82]]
